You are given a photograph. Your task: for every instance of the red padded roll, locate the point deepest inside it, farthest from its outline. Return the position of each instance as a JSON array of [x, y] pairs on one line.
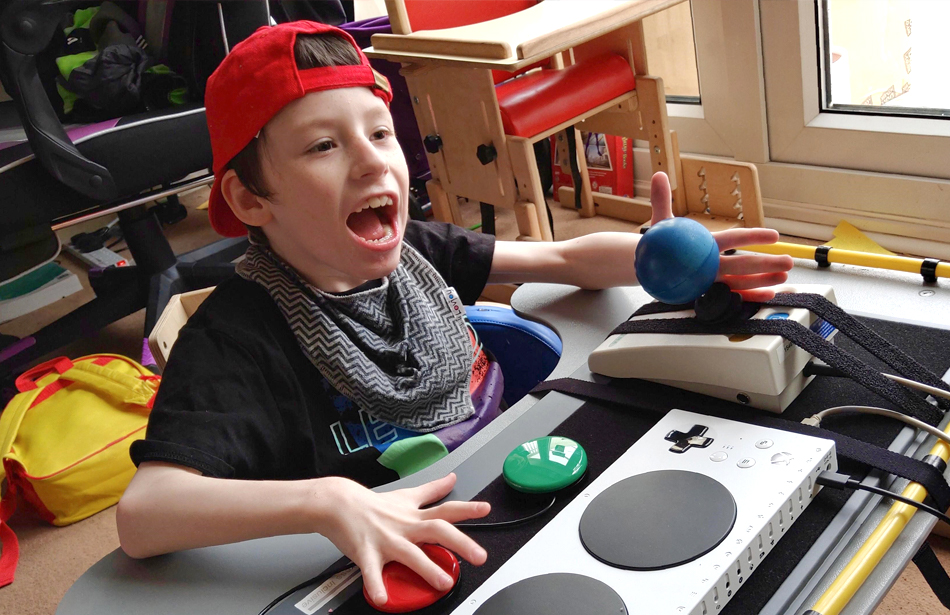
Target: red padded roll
[[541, 100]]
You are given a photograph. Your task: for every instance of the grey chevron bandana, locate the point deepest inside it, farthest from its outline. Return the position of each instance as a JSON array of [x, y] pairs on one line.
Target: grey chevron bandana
[[397, 350]]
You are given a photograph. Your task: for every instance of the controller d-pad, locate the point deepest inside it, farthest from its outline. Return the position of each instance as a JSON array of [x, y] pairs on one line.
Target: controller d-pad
[[683, 441]]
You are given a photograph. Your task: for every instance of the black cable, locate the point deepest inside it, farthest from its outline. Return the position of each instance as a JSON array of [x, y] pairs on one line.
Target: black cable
[[842, 481], [535, 515], [813, 369], [338, 567]]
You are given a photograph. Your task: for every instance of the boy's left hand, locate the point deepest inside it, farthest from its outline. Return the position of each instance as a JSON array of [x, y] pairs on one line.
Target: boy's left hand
[[746, 274]]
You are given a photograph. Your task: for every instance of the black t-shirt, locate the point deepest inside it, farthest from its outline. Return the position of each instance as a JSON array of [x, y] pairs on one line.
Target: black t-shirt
[[239, 399]]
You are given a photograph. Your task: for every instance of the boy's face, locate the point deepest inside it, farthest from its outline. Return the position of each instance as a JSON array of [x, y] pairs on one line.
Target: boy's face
[[339, 187]]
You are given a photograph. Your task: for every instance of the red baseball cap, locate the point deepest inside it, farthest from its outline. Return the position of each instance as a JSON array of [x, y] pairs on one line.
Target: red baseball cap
[[255, 81]]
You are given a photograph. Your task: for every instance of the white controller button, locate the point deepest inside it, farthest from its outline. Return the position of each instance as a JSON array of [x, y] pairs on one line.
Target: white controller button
[[766, 443], [719, 456], [746, 462]]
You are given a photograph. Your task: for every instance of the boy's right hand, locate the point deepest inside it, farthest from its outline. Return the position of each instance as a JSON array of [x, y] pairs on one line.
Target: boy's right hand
[[373, 529]]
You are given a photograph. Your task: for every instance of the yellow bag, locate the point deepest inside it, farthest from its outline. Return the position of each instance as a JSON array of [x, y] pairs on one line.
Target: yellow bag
[[64, 440]]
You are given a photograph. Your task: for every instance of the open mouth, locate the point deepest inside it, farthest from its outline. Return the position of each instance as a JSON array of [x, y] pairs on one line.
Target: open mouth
[[375, 223]]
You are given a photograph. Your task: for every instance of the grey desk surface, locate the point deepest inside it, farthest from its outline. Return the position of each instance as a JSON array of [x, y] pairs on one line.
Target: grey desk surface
[[242, 578]]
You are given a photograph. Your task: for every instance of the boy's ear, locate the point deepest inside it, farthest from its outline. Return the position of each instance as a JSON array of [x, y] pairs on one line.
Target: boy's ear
[[247, 206]]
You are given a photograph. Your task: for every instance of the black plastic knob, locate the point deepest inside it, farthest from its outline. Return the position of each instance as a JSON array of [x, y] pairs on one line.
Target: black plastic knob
[[432, 143], [486, 153], [26, 27]]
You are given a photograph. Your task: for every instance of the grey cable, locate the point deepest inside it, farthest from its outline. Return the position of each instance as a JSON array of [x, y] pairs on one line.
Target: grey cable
[[817, 418]]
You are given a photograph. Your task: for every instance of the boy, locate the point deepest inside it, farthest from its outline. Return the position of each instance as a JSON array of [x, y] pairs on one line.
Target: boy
[[338, 303]]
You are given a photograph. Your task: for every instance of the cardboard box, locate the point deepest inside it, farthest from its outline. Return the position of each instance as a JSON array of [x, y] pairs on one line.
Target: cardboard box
[[609, 163]]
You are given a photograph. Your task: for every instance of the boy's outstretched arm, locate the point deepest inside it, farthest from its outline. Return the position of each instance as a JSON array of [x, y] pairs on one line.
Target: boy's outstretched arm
[[605, 260], [169, 508]]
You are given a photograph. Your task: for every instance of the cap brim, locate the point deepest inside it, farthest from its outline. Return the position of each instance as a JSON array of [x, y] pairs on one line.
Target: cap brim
[[222, 218]]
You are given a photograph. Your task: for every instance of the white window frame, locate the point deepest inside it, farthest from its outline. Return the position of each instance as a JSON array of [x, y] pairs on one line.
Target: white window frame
[[758, 75]]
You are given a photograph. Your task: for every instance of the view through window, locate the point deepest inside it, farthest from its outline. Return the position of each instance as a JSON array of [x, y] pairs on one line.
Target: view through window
[[886, 56]]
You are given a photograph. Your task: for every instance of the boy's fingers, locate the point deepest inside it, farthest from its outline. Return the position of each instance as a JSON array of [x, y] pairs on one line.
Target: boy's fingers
[[453, 512], [413, 557], [758, 280], [738, 237], [433, 491], [745, 264], [450, 537], [373, 580], [757, 295], [661, 197]]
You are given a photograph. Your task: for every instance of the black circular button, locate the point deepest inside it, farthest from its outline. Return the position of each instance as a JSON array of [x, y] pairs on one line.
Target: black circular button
[[657, 520], [558, 593]]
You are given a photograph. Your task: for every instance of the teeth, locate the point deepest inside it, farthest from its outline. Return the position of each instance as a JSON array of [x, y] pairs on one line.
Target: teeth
[[376, 201]]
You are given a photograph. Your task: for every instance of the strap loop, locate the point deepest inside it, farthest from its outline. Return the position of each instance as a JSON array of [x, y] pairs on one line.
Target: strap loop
[[27, 381]]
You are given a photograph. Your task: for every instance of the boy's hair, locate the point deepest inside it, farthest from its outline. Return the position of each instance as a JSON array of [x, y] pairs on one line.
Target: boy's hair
[[310, 51]]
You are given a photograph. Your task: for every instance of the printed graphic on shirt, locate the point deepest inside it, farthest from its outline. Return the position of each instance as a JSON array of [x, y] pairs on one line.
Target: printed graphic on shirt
[[357, 429]]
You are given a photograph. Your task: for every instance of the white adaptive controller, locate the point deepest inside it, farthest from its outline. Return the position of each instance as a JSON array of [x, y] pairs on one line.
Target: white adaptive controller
[[769, 476]]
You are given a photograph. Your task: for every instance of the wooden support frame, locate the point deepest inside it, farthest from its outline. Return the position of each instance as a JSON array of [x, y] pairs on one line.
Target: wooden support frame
[[532, 210], [449, 77]]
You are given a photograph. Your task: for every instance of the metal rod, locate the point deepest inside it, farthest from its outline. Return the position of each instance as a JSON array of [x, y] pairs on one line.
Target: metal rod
[[203, 181]]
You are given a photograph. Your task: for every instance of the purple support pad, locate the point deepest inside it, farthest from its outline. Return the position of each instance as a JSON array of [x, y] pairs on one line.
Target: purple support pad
[[487, 401]]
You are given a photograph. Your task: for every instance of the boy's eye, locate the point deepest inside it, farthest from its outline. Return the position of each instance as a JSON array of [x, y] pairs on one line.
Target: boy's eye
[[322, 146], [382, 133]]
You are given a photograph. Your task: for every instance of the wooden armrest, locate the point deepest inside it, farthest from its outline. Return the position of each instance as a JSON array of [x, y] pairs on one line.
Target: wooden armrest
[[520, 38]]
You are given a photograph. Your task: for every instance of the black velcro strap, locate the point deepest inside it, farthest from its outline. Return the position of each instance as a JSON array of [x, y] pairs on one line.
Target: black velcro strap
[[934, 573], [657, 307], [863, 335], [807, 340], [867, 338], [866, 454]]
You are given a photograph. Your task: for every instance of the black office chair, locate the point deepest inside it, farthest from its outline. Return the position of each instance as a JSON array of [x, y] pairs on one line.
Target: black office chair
[[59, 176]]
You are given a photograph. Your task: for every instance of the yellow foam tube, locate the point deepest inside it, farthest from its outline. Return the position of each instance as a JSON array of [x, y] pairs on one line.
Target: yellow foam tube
[[850, 257]]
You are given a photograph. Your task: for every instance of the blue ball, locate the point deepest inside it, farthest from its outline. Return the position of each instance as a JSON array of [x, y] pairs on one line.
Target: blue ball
[[677, 260]]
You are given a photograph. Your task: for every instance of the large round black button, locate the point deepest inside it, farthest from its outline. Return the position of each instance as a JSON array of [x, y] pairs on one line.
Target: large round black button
[[558, 593], [657, 520]]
